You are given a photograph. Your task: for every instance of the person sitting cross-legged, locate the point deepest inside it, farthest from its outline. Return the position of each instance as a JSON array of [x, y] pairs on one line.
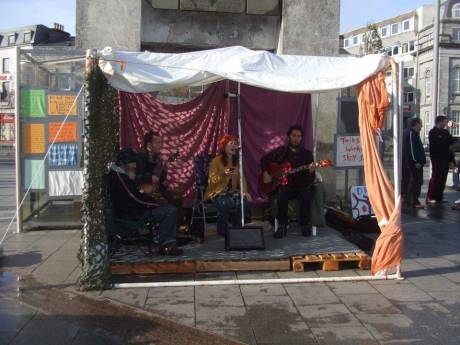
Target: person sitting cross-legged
[[130, 204]]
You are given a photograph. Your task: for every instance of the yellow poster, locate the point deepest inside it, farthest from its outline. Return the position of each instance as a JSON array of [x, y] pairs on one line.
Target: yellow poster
[[34, 138], [60, 105], [67, 134]]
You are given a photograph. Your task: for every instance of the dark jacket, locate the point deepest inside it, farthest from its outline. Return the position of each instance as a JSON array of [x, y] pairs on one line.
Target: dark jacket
[[127, 201], [440, 142], [146, 168], [284, 154], [413, 151]]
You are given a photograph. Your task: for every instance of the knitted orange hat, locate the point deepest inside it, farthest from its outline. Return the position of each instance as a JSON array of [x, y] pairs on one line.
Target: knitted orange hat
[[224, 141]]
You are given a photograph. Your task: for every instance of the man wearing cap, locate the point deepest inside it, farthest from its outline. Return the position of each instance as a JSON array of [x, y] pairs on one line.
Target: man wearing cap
[[130, 204]]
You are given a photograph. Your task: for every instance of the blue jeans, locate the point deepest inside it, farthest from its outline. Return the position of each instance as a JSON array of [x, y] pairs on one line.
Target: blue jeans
[[166, 215], [225, 204]]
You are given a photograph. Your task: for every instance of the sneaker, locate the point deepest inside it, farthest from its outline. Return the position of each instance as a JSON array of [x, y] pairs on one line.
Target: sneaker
[[170, 250], [431, 201]]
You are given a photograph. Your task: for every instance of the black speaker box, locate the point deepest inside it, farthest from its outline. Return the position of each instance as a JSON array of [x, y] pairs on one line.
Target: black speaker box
[[246, 238]]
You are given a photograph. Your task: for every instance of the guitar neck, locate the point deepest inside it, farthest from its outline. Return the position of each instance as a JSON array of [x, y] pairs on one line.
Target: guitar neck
[[301, 168]]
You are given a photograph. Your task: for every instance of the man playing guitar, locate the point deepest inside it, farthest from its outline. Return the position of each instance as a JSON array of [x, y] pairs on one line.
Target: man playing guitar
[[151, 171], [299, 184]]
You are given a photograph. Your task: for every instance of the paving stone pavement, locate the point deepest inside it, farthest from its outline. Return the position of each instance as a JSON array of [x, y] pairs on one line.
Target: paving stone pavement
[[422, 309]]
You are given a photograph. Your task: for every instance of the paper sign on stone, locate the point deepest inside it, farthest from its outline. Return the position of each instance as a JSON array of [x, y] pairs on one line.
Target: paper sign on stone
[[67, 134], [34, 138], [61, 104]]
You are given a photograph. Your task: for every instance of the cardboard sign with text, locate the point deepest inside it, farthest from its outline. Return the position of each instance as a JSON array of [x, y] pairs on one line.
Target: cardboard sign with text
[[348, 151]]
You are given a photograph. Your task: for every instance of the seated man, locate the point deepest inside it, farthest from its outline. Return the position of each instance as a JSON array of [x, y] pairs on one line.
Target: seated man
[[130, 204], [299, 184], [151, 172]]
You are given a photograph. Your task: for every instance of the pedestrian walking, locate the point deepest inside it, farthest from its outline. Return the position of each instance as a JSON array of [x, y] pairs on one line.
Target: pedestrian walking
[[413, 158], [441, 157]]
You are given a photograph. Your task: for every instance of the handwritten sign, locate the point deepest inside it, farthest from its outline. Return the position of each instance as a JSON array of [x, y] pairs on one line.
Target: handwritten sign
[[67, 134], [34, 138], [360, 204], [348, 151], [60, 105]]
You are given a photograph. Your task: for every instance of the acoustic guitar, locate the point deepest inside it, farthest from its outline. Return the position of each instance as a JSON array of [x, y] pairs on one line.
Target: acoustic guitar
[[151, 187], [281, 172]]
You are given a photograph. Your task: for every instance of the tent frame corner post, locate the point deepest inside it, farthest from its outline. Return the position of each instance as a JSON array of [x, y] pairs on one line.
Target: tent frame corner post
[[17, 125], [397, 103], [240, 136], [95, 273]]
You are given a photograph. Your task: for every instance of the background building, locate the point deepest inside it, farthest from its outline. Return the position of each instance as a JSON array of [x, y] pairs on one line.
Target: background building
[[305, 27], [25, 37], [409, 38]]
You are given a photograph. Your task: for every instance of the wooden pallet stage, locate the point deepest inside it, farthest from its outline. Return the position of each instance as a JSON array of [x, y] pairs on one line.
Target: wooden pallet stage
[[331, 261], [280, 255]]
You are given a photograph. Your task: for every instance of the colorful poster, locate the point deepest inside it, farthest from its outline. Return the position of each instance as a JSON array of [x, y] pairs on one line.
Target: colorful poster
[[34, 138], [33, 103], [34, 174], [61, 105], [68, 132], [63, 155], [360, 204]]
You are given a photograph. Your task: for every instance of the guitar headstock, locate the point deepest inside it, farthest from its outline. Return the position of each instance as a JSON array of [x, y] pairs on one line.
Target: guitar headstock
[[324, 163]]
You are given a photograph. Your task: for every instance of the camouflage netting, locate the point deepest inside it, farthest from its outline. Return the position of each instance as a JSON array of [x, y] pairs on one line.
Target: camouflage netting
[[101, 129]]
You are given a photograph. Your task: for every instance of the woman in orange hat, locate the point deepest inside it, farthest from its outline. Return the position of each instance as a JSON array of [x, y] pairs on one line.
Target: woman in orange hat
[[224, 183]]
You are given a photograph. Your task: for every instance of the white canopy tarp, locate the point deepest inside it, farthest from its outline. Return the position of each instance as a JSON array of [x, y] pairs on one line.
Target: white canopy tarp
[[148, 72]]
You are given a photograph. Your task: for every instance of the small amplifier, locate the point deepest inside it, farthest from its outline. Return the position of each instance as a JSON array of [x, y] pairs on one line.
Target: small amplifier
[[246, 238]]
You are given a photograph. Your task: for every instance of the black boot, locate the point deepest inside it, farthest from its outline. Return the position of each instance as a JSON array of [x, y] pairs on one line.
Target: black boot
[[306, 230], [280, 232]]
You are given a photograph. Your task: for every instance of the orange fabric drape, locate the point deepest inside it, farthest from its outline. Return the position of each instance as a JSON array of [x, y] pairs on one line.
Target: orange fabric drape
[[373, 104]]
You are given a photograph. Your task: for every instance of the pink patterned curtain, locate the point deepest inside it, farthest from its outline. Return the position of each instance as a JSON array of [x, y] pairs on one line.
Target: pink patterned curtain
[[190, 128]]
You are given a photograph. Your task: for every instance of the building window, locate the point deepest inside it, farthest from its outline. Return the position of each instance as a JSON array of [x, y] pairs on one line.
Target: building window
[[384, 31], [455, 131], [395, 50], [4, 91], [355, 40], [408, 72], [409, 97], [411, 46], [389, 51], [456, 34], [27, 36], [406, 25], [395, 28], [11, 39], [456, 11], [346, 43], [6, 65], [405, 48], [427, 85], [456, 79]]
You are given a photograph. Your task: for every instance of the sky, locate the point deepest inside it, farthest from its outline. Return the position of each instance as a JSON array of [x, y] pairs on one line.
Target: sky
[[353, 13]]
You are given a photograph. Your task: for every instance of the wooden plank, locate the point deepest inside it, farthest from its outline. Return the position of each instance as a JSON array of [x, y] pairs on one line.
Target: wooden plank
[[338, 256], [330, 265], [223, 266], [154, 267]]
